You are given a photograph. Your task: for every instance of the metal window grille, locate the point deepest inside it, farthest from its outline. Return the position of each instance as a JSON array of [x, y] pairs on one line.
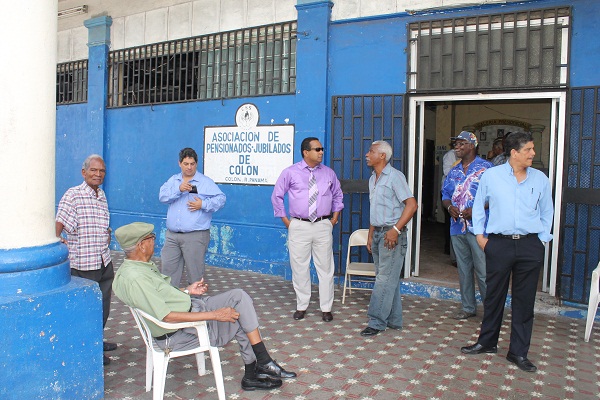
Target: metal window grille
[[248, 62], [527, 49], [71, 82]]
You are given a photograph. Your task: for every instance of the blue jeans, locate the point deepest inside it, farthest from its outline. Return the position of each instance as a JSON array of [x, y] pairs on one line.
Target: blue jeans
[[385, 308], [470, 259]]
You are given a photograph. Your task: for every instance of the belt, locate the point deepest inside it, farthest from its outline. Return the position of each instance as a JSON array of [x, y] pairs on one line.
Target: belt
[[513, 237], [165, 336], [316, 220], [387, 228]]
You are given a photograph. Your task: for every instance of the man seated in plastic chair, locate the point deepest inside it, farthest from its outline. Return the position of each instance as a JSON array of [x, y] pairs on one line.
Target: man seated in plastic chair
[[138, 283]]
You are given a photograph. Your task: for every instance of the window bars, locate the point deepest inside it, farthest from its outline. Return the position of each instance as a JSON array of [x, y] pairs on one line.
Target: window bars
[[247, 62], [71, 82], [525, 49]]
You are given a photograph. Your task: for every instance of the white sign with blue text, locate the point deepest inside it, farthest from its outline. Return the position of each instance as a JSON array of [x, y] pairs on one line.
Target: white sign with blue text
[[247, 154]]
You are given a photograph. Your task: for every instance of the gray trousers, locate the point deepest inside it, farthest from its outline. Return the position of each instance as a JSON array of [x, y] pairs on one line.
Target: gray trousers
[[469, 259], [220, 333], [186, 249]]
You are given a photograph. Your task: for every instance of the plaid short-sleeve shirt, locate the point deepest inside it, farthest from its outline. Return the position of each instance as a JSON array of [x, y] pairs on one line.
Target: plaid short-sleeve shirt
[[86, 219]]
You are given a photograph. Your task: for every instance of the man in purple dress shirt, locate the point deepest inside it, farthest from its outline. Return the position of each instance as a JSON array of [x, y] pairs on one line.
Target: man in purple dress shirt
[[310, 223]]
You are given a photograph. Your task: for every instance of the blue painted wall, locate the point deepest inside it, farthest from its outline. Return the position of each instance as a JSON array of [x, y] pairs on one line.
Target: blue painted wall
[[363, 56], [143, 148], [73, 145], [585, 47], [367, 57]]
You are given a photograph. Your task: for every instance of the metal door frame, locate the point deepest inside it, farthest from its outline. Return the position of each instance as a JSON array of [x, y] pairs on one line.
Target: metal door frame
[[416, 112]]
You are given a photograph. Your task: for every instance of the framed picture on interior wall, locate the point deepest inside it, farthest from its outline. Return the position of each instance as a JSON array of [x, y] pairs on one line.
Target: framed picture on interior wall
[[482, 136], [500, 133]]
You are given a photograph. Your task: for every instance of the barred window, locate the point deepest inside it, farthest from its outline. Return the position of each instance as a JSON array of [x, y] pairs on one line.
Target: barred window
[[248, 62], [527, 49], [71, 82]]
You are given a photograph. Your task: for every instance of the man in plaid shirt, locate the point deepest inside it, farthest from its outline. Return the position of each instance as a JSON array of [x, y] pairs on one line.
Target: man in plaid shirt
[[83, 214]]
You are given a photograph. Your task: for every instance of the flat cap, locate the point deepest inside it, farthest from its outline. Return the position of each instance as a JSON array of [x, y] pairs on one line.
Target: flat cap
[[131, 234]]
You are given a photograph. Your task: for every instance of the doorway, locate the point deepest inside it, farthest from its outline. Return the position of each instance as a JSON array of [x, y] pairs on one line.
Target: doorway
[[432, 121]]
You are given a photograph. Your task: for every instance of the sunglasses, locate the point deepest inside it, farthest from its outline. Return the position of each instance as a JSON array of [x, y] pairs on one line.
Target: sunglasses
[[319, 149]]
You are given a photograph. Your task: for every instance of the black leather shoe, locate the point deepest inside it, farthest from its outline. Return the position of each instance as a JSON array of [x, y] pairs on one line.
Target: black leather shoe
[[105, 360], [463, 315], [368, 331], [110, 346], [478, 349], [274, 370], [298, 315], [260, 383], [327, 316], [521, 362]]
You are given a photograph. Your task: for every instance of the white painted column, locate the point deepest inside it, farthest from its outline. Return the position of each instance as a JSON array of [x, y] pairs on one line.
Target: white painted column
[[27, 122], [38, 296]]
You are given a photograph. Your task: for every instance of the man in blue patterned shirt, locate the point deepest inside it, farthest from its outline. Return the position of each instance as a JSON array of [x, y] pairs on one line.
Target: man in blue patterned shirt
[[458, 194]]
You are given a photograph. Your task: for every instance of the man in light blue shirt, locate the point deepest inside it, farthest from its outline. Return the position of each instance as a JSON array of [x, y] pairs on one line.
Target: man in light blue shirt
[[520, 218], [192, 199], [392, 208]]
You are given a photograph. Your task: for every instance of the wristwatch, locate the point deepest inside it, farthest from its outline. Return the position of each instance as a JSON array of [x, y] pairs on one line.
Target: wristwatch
[[186, 291]]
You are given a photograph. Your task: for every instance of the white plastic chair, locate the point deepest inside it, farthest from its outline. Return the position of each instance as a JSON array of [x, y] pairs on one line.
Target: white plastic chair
[[593, 304], [357, 238], [157, 360]]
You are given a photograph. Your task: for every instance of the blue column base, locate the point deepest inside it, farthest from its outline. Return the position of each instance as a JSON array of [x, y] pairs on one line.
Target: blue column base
[[30, 270], [52, 345]]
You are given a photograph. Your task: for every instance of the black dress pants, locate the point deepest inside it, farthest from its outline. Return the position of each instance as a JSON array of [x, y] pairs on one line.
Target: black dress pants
[[523, 259]]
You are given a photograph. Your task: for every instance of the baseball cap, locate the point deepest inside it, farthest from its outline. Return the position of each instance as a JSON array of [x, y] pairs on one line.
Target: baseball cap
[[468, 136]]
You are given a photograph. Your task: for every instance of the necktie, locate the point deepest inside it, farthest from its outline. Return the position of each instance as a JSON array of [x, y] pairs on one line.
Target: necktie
[[313, 192]]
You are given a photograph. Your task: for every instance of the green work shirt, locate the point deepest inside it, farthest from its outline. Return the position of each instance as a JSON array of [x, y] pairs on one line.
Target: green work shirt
[[141, 285]]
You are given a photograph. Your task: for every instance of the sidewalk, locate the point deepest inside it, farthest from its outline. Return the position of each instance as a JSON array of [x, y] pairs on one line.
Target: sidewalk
[[422, 361]]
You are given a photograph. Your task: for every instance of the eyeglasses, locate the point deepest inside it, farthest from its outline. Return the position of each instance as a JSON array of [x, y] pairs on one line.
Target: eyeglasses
[[152, 236], [319, 149]]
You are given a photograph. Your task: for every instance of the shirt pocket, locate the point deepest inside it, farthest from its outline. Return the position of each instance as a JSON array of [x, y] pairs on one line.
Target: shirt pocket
[[534, 200], [531, 202]]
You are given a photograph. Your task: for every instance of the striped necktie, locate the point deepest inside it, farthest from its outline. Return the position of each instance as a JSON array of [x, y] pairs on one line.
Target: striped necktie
[[313, 192]]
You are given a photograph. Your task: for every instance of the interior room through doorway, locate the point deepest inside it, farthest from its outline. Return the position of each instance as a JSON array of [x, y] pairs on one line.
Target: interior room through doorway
[[490, 120]]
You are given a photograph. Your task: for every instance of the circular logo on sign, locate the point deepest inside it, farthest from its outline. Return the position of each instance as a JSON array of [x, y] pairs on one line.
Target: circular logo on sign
[[247, 116]]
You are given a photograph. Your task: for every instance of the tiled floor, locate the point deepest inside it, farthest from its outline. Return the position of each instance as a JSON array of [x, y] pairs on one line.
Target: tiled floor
[[435, 267], [422, 361]]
